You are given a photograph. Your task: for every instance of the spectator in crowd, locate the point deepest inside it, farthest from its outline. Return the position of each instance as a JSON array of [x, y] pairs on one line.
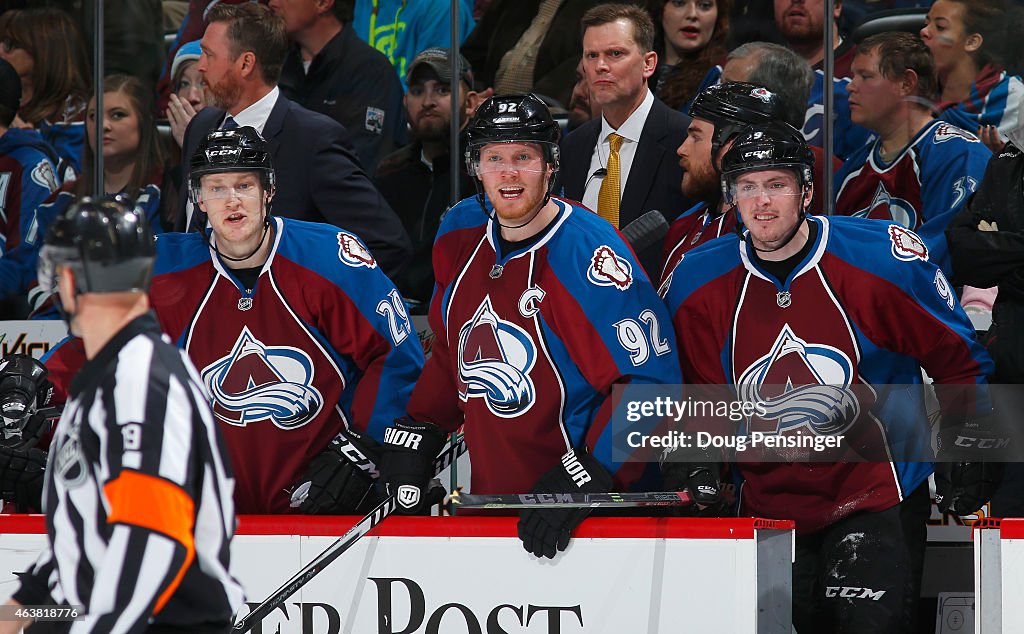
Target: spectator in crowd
[[784, 72], [48, 52], [416, 180], [530, 290], [402, 29], [920, 171], [132, 165], [719, 113], [330, 70], [971, 41], [188, 94], [802, 24], [528, 46], [690, 42], [798, 306], [190, 29], [28, 166], [243, 49], [623, 163], [581, 107], [27, 178]]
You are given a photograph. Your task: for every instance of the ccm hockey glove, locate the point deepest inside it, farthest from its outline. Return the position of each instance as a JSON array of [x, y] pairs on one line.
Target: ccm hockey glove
[[23, 389], [340, 481], [546, 531], [407, 464]]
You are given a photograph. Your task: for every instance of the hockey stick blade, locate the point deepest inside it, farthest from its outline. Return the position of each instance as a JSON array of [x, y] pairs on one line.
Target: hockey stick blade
[[335, 550], [572, 500]]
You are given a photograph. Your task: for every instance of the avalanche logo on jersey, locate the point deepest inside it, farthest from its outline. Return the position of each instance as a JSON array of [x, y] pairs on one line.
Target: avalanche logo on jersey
[[907, 245], [256, 382], [885, 206], [352, 252], [607, 268], [946, 132], [495, 359], [800, 385]]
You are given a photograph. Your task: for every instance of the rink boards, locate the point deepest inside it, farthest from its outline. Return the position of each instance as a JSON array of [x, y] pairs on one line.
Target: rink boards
[[444, 575]]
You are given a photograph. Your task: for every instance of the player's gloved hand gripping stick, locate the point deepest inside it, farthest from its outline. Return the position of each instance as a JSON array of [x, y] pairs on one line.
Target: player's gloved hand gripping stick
[[335, 550]]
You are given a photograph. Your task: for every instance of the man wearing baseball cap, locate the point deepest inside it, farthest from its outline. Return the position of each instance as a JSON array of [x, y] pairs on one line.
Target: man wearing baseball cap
[[416, 179]]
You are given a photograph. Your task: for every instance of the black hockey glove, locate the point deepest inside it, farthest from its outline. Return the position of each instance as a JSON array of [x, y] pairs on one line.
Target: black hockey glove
[[407, 464], [546, 531], [340, 481], [962, 488], [24, 389], [701, 479], [21, 477]]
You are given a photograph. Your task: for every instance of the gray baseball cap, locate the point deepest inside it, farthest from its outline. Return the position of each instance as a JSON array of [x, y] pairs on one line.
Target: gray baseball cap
[[439, 60]]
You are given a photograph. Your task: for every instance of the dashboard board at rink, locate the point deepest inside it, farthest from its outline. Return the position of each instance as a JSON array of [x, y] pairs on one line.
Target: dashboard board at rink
[[470, 575]]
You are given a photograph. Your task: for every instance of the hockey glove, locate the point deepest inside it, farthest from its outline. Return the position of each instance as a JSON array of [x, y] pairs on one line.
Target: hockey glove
[[23, 389], [546, 531], [701, 479], [961, 488], [407, 464], [21, 477], [340, 481]]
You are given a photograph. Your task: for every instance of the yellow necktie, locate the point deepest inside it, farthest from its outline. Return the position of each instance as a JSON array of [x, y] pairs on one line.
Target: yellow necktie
[[608, 196]]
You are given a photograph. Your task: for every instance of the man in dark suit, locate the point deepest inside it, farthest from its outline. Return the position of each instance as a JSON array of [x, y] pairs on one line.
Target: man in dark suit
[[318, 174], [624, 163]]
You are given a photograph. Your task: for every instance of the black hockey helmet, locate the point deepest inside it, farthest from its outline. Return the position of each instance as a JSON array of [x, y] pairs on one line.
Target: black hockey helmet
[[733, 106], [766, 146], [238, 150], [513, 119], [107, 242]]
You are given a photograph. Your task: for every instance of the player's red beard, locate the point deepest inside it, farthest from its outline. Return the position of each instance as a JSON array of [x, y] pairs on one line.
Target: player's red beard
[[699, 180], [226, 92]]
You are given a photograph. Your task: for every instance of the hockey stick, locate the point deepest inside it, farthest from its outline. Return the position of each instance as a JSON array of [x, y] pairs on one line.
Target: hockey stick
[[572, 500], [332, 552]]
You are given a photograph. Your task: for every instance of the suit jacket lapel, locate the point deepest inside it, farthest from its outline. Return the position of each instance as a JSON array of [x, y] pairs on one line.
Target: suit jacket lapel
[[576, 170], [644, 168]]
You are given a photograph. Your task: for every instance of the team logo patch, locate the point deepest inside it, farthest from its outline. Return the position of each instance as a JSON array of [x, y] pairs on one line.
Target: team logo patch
[[608, 268], [352, 252], [42, 175], [906, 245], [947, 131], [885, 206], [256, 382], [375, 120], [761, 93], [495, 358], [801, 384]]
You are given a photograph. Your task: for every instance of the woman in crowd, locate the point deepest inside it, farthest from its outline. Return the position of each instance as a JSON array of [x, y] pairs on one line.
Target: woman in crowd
[[690, 42], [48, 52], [971, 41], [132, 165]]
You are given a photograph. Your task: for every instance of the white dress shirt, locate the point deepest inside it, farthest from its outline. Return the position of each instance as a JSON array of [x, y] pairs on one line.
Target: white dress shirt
[[630, 131], [257, 113]]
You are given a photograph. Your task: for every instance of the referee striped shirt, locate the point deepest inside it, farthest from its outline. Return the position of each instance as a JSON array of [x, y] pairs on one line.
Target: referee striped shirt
[[138, 495]]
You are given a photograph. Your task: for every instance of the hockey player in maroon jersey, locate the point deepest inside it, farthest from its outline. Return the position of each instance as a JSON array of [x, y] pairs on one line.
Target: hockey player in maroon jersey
[[539, 309], [800, 310], [301, 340]]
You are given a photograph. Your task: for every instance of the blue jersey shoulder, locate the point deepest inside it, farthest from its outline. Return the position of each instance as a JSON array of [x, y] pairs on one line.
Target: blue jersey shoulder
[[465, 214], [700, 266], [179, 251]]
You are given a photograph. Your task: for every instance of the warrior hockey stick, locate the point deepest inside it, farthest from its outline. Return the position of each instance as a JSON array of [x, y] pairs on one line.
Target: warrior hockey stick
[[332, 552], [572, 500]]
